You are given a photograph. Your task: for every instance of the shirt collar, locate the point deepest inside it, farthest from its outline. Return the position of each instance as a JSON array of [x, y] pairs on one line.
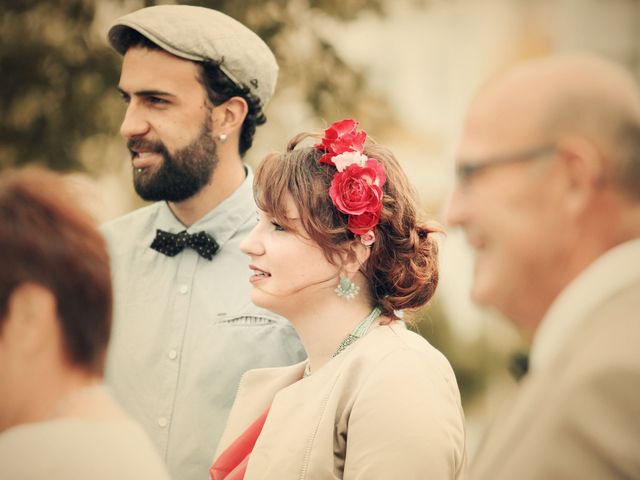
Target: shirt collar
[[221, 222], [607, 275]]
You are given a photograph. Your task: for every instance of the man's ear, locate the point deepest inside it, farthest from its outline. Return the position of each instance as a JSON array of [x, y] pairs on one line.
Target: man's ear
[[585, 166], [355, 257], [31, 320], [229, 116]]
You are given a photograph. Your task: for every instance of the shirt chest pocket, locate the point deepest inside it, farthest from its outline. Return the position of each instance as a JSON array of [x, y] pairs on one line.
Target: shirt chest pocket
[[246, 320]]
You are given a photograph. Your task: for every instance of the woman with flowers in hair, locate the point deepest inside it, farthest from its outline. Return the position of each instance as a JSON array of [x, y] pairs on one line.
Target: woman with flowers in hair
[[339, 250]]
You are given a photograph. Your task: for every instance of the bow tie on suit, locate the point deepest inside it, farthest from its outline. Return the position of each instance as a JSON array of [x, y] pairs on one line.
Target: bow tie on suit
[[172, 244]]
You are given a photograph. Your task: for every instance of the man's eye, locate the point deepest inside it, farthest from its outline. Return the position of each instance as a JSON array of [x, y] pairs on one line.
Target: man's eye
[[156, 100], [125, 98]]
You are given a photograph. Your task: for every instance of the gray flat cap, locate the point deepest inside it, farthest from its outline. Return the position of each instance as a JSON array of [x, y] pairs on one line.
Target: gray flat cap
[[200, 34]]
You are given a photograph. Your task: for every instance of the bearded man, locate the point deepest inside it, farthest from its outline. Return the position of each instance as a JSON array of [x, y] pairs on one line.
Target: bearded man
[[195, 82]]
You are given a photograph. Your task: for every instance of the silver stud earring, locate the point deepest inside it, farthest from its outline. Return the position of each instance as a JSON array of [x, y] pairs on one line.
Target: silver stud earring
[[222, 137], [347, 289]]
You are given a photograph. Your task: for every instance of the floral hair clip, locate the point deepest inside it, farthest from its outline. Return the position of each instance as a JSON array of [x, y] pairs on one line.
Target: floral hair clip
[[356, 188]]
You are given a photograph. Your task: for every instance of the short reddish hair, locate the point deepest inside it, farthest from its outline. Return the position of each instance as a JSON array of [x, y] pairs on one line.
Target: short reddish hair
[[402, 269], [46, 239]]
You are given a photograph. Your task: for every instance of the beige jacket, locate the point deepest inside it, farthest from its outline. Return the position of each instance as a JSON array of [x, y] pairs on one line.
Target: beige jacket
[[579, 418], [388, 407]]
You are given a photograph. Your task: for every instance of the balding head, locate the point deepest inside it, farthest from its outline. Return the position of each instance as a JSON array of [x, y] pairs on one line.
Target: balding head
[[570, 94], [549, 178]]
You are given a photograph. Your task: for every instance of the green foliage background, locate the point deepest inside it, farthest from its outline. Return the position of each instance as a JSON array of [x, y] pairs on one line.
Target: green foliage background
[[58, 74]]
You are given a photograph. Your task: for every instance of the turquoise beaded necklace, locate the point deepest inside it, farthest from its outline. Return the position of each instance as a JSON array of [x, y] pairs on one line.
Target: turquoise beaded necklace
[[361, 329]]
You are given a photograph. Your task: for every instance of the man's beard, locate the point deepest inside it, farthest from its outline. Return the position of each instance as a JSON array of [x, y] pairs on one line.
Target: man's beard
[[181, 175]]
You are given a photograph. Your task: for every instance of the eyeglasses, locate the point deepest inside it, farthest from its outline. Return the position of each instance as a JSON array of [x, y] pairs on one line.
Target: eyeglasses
[[466, 171]]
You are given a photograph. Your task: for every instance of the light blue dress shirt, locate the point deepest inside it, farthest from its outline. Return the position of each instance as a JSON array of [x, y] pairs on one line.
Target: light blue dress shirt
[[185, 329]]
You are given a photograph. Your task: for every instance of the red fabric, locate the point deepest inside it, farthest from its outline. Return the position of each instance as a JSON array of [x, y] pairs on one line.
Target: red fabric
[[232, 463]]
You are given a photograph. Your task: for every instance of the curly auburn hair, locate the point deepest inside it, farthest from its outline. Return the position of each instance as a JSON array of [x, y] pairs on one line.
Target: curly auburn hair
[[402, 270]]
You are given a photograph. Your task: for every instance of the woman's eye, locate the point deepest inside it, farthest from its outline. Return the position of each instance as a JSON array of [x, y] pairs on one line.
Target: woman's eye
[[277, 226]]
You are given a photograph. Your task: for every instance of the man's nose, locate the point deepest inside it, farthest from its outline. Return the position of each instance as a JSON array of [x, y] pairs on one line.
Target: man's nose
[[133, 124], [455, 209]]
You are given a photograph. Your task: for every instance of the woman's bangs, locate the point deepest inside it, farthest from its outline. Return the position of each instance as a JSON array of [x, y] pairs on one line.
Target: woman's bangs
[[270, 188]]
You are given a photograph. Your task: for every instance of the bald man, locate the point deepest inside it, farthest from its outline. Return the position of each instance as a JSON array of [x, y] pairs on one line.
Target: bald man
[[548, 195]]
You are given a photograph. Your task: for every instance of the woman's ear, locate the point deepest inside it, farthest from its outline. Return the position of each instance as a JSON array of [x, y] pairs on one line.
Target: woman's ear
[[355, 257]]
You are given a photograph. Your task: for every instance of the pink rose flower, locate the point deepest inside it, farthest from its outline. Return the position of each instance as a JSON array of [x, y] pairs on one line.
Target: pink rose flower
[[341, 137], [363, 224], [378, 168], [357, 190]]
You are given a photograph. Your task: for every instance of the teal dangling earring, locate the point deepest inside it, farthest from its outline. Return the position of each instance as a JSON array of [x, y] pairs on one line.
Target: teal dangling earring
[[346, 288]]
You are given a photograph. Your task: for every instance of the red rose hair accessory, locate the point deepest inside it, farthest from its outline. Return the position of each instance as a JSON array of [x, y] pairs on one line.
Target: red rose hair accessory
[[356, 188]]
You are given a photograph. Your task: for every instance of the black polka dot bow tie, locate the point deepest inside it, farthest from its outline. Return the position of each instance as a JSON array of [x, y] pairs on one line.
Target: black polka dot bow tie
[[172, 244]]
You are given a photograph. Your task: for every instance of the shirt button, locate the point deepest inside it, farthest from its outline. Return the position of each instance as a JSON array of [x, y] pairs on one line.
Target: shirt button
[[183, 289], [163, 422], [173, 354]]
